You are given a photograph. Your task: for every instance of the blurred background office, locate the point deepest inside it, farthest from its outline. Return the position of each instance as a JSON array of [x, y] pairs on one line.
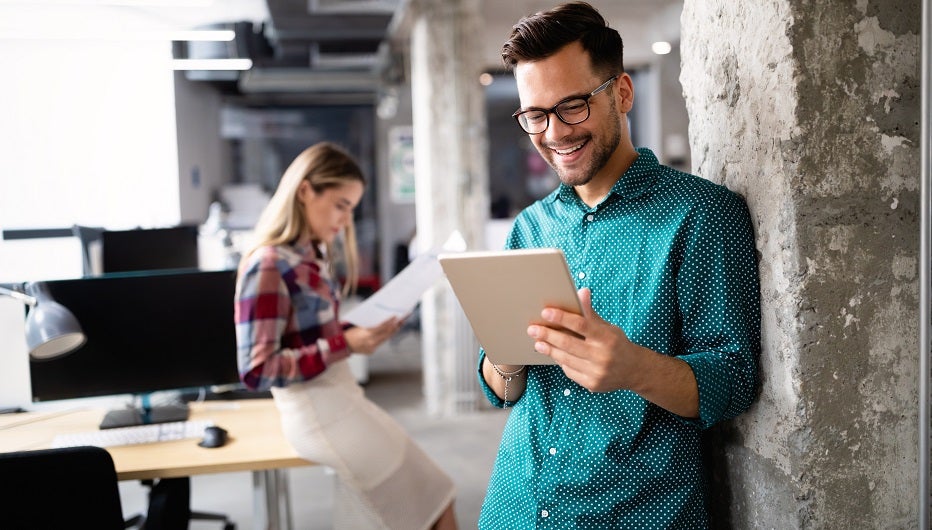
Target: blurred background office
[[104, 123], [160, 114], [150, 114]]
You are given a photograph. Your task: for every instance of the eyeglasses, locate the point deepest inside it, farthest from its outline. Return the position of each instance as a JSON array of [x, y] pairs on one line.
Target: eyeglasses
[[571, 111]]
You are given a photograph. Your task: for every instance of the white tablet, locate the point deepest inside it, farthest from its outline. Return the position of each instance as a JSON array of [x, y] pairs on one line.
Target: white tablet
[[503, 292]]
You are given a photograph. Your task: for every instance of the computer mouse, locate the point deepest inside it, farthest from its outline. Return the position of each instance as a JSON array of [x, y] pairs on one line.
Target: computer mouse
[[214, 436]]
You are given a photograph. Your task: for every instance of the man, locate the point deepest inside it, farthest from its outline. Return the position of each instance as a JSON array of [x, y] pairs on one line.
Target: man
[[668, 340]]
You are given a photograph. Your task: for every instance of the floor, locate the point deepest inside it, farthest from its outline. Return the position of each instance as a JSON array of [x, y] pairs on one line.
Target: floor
[[464, 446]]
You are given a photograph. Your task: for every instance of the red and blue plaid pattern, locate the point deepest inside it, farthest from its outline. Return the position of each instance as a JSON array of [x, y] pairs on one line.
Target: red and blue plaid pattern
[[287, 318]]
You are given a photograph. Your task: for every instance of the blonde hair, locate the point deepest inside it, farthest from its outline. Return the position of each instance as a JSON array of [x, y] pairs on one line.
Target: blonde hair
[[282, 222]]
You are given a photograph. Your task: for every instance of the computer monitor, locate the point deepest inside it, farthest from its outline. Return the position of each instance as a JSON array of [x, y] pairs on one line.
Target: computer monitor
[[146, 332], [145, 249]]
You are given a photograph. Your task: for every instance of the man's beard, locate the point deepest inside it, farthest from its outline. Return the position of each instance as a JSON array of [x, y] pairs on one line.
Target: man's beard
[[601, 154]]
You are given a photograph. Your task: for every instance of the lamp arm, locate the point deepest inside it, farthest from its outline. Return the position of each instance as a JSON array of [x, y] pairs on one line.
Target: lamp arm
[[22, 297]]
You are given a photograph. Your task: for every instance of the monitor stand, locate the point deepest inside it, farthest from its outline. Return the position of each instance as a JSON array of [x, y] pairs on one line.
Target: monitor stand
[[144, 415]]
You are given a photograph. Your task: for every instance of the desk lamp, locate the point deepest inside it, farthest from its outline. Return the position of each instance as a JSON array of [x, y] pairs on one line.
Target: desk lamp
[[51, 330]]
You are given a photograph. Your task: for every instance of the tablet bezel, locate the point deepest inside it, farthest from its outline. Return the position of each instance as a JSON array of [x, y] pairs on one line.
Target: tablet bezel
[[502, 292]]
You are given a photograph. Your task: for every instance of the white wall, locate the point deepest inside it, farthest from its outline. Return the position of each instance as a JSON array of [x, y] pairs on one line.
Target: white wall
[[203, 156], [88, 134], [87, 137]]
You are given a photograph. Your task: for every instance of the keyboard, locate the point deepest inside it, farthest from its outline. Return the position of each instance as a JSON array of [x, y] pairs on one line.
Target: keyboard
[[137, 434]]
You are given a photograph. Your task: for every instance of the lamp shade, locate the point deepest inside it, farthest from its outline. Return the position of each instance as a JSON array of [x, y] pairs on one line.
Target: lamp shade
[[51, 330]]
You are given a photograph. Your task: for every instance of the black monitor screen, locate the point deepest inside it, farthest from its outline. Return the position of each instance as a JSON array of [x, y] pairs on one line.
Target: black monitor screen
[[149, 249], [145, 332]]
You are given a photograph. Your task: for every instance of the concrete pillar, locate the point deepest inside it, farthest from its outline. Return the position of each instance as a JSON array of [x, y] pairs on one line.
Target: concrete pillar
[[451, 178], [811, 111]]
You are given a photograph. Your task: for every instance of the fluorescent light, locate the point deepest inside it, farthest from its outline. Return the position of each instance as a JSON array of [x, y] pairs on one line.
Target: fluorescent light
[[212, 35], [225, 35], [127, 3], [211, 64], [661, 47]]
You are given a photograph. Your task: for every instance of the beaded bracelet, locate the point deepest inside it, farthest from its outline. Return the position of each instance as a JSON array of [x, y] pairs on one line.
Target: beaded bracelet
[[507, 376]]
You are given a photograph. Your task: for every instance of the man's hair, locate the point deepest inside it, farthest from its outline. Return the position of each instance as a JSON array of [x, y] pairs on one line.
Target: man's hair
[[542, 34]]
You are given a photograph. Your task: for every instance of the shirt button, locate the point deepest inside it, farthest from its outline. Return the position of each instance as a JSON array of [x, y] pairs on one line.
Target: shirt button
[[553, 450], [580, 275], [544, 513], [566, 391], [590, 217]]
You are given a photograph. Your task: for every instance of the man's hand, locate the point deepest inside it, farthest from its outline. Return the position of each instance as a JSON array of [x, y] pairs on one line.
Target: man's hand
[[601, 358]]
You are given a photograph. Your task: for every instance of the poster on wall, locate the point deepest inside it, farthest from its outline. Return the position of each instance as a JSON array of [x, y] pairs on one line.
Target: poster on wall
[[401, 164]]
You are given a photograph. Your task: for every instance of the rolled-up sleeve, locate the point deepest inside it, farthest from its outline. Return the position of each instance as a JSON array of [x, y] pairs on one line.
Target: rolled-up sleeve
[[719, 300]]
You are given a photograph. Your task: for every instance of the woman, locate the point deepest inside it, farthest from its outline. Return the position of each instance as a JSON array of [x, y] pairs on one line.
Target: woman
[[290, 340]]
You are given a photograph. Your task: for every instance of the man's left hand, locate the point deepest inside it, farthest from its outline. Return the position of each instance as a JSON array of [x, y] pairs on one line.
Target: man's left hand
[[597, 355]]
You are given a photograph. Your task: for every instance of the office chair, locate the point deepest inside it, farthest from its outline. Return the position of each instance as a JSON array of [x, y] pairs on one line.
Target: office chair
[[49, 489], [169, 507]]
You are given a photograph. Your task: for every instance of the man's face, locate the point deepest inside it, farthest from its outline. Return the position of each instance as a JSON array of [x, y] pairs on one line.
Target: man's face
[[576, 152]]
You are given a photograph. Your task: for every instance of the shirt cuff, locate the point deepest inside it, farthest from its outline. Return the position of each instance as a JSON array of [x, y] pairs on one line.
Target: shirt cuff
[[333, 349], [714, 389], [486, 389]]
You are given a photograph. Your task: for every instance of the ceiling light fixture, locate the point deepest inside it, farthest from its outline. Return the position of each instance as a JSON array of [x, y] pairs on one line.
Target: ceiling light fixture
[[116, 3], [661, 47], [206, 35], [211, 64], [223, 35]]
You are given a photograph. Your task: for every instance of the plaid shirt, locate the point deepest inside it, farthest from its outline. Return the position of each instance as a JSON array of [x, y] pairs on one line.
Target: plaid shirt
[[286, 312]]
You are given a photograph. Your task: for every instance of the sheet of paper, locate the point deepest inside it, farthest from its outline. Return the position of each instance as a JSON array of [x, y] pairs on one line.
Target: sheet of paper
[[400, 295]]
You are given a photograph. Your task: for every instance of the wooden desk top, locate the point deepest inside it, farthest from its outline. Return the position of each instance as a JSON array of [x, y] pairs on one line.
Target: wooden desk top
[[255, 442]]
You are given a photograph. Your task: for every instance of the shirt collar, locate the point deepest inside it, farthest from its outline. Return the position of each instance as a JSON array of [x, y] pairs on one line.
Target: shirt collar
[[309, 250], [636, 180]]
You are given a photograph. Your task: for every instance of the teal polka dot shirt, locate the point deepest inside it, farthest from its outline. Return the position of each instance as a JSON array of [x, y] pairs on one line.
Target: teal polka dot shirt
[[670, 258]]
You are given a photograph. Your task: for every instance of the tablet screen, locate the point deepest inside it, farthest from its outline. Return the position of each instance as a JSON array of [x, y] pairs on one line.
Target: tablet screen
[[504, 291]]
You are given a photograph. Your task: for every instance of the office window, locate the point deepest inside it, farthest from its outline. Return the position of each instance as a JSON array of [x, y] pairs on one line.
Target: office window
[[87, 137]]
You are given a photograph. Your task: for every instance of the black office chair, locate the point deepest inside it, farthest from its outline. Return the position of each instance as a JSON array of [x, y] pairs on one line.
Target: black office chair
[[169, 507], [50, 489]]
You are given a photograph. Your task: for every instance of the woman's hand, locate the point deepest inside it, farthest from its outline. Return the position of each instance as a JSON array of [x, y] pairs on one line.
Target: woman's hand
[[366, 340]]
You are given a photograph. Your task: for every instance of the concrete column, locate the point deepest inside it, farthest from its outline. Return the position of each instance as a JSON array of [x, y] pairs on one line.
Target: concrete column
[[811, 111], [451, 178]]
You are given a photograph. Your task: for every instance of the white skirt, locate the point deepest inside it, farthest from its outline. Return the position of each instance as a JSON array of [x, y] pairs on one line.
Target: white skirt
[[390, 482]]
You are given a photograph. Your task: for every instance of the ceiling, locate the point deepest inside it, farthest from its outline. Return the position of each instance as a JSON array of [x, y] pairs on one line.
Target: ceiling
[[318, 45]]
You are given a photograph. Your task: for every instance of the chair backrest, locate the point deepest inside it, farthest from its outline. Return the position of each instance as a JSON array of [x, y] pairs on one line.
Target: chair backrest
[[74, 487]]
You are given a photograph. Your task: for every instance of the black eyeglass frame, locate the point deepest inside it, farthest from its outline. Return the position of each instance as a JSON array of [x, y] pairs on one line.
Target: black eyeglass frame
[[556, 108]]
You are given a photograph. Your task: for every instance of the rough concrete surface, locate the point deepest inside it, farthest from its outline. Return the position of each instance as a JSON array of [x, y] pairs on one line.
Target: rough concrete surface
[[811, 111]]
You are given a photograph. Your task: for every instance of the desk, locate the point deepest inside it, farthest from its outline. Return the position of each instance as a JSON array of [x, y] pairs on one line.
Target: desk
[[256, 444]]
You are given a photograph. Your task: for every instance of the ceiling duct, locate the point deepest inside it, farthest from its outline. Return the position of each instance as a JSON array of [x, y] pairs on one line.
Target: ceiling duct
[[293, 80], [351, 6], [248, 43], [322, 46], [306, 46], [345, 55]]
